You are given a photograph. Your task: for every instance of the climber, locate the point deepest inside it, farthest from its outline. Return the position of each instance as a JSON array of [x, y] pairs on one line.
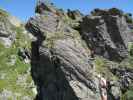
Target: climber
[[103, 87], [92, 53]]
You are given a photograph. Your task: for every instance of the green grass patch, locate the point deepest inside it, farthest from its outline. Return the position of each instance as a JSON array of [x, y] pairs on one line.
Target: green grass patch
[[102, 67], [19, 69]]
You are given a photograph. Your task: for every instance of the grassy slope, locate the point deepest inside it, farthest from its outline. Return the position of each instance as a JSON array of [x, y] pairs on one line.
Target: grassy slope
[[15, 78]]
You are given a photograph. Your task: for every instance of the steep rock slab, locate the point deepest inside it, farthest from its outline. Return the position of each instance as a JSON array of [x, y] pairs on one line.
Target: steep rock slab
[[107, 33], [60, 61]]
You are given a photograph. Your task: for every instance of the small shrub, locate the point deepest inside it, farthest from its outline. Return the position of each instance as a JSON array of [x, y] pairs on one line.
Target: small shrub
[[128, 17]]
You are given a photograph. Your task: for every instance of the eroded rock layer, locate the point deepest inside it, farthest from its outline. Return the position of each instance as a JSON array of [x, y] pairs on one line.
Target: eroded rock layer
[[62, 67], [107, 33]]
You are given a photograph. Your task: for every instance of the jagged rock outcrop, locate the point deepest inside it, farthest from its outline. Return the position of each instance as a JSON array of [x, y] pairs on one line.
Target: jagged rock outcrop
[[7, 34], [61, 65], [107, 33], [64, 57], [125, 75], [60, 59]]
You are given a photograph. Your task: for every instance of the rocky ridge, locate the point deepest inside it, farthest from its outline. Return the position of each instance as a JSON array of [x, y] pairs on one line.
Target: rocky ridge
[[65, 54], [107, 33]]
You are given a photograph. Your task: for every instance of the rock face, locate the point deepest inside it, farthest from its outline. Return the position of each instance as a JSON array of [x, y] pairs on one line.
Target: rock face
[[7, 34], [64, 57], [107, 33], [61, 65], [15, 21], [125, 75], [60, 60]]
